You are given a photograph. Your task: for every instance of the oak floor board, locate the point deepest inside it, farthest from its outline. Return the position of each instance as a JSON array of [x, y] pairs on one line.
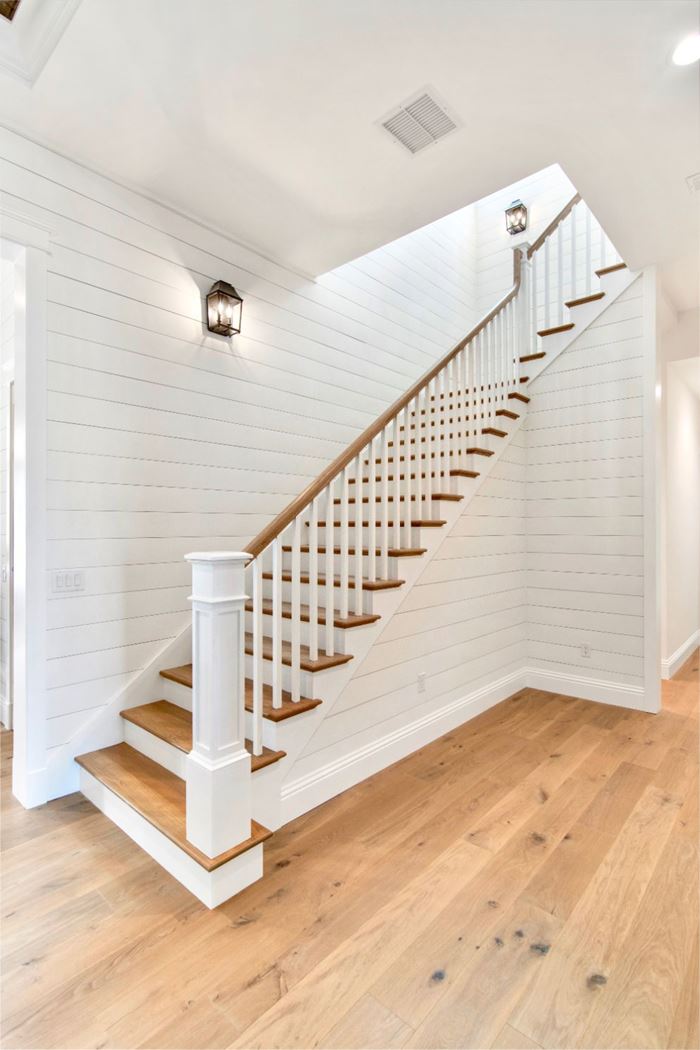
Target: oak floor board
[[368, 1026], [510, 1039], [491, 980], [559, 883], [411, 986], [556, 1011], [636, 1006], [685, 1030], [349, 929]]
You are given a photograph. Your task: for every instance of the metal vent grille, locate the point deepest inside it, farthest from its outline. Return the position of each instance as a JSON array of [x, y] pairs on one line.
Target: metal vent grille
[[419, 122]]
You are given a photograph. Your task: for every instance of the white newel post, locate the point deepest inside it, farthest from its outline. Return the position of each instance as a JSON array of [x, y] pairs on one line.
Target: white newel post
[[218, 766], [523, 323]]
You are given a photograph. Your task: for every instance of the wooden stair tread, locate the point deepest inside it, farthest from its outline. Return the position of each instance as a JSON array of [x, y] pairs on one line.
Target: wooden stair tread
[[183, 676], [593, 298], [367, 585], [402, 498], [344, 622], [507, 413], [517, 396], [479, 452], [495, 432], [460, 473], [158, 796], [418, 523], [557, 329], [173, 724], [321, 663], [533, 357], [394, 552], [610, 269]]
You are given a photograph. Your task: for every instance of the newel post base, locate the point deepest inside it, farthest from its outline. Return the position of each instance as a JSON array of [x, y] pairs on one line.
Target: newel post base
[[218, 774]]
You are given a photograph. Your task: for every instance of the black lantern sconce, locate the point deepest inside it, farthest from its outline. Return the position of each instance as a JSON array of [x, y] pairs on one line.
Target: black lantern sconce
[[224, 308], [516, 217]]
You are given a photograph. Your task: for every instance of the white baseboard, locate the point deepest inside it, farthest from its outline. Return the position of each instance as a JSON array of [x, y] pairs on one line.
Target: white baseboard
[[211, 887], [299, 796], [673, 663], [599, 690]]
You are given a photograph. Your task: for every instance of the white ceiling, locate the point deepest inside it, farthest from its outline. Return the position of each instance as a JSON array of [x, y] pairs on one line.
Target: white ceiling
[[258, 116]]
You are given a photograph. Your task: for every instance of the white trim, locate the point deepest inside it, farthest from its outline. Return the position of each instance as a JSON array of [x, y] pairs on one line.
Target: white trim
[[211, 887], [597, 689], [673, 663], [311, 790], [652, 453], [29, 780]]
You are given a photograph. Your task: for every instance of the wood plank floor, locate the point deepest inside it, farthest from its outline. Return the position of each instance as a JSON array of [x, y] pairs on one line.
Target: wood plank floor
[[529, 880]]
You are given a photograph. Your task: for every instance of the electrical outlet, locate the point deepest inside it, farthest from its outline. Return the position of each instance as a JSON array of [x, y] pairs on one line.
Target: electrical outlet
[[67, 581], [421, 682], [586, 651]]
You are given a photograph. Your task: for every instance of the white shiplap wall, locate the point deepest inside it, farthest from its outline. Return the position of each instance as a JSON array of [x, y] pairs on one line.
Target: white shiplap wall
[[163, 438], [7, 314], [547, 557], [463, 624], [584, 499]]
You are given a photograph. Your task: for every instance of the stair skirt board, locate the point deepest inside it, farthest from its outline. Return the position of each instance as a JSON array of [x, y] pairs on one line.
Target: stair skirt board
[[672, 664], [307, 792], [210, 887]]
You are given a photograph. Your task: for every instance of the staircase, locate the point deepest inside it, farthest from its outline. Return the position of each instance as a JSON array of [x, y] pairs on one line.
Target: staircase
[[197, 777]]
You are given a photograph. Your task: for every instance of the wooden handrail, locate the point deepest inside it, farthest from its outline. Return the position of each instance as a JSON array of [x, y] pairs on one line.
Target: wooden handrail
[[549, 230], [287, 516]]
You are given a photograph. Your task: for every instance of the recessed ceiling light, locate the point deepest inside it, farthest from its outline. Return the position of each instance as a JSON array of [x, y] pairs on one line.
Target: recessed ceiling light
[[688, 51]]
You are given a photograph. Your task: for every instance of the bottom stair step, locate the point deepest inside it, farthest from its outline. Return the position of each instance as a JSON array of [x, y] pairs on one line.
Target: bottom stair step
[[159, 797], [183, 676], [173, 724]]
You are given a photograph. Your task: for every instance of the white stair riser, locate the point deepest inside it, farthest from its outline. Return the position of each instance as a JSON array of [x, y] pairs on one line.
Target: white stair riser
[[171, 758], [312, 683], [340, 637], [212, 888], [305, 593], [393, 568]]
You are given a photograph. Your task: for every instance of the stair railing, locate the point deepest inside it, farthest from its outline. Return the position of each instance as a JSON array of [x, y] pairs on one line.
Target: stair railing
[[410, 455]]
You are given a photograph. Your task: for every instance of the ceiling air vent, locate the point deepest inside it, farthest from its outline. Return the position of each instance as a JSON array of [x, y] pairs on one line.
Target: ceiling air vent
[[420, 121]]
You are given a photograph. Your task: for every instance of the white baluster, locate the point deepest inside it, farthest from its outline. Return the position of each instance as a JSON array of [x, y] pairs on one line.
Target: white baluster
[[257, 570], [603, 247], [345, 543], [384, 503], [574, 249], [396, 487], [217, 776], [408, 506], [546, 282], [588, 252], [277, 622], [419, 462], [372, 531], [371, 511], [534, 319], [313, 581], [329, 595], [561, 294], [295, 628], [431, 418]]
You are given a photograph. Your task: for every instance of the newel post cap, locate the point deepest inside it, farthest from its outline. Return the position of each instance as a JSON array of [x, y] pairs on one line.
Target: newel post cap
[[217, 576], [219, 556]]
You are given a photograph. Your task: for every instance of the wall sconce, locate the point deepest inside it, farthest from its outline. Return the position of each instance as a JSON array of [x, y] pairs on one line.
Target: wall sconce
[[224, 308], [516, 217]]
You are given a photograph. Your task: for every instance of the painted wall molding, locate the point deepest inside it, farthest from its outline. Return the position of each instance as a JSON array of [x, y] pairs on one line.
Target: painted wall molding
[[670, 665]]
